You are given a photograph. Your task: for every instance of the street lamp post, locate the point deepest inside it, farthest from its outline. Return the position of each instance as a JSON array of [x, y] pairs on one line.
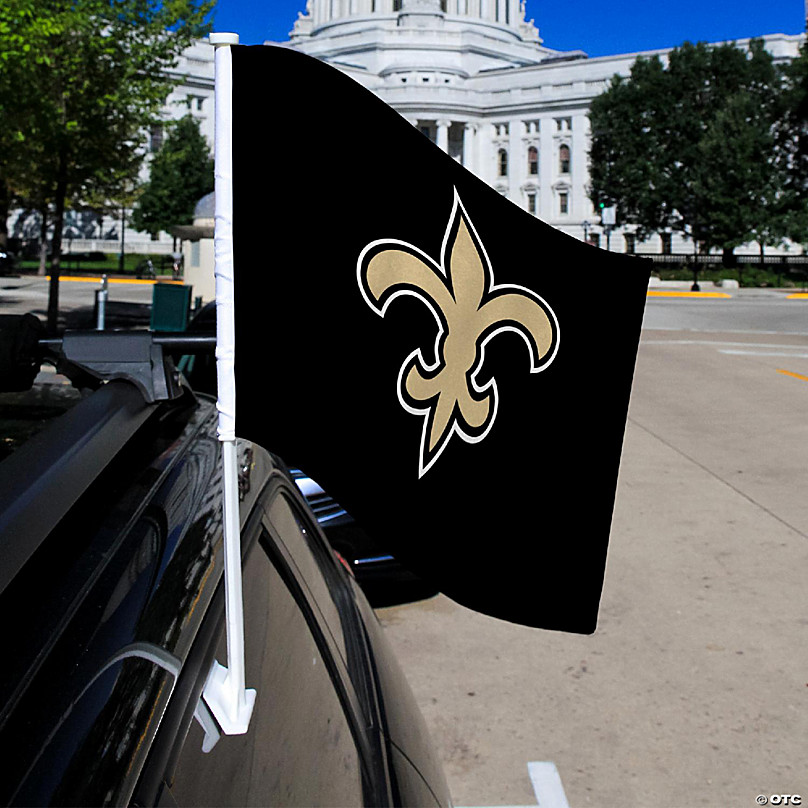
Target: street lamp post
[[587, 224], [123, 239]]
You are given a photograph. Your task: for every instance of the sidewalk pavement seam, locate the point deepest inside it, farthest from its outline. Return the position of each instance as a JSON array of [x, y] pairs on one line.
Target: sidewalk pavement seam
[[717, 477]]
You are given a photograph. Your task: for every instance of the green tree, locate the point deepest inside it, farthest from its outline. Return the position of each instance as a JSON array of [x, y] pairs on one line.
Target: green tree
[[792, 136], [689, 146], [23, 35], [85, 82], [181, 173], [628, 121]]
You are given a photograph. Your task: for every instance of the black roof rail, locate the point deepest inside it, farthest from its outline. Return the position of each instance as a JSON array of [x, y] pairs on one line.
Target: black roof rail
[[57, 465], [141, 357]]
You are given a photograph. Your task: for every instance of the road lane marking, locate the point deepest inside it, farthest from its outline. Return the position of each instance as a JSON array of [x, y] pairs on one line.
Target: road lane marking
[[797, 296], [735, 352], [547, 784], [794, 375], [718, 342], [734, 347], [739, 348]]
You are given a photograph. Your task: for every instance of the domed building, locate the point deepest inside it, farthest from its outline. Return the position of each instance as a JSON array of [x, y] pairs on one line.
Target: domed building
[[475, 77]]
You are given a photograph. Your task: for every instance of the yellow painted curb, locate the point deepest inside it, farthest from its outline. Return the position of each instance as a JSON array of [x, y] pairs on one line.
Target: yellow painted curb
[[798, 296], [76, 279], [661, 293]]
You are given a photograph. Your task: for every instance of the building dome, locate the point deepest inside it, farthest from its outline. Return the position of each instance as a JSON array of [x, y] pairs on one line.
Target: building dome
[[392, 38], [206, 207], [502, 14]]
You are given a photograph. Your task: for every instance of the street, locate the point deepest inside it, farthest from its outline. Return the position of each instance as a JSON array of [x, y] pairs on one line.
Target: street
[[693, 691]]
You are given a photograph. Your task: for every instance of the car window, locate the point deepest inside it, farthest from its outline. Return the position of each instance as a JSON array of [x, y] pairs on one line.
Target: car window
[[291, 530], [326, 585], [301, 747]]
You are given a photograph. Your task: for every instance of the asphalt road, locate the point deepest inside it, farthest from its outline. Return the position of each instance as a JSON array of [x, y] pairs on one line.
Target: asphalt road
[[694, 689], [128, 302]]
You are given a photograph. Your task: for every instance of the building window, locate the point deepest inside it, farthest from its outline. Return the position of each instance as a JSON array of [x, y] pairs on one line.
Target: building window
[[194, 102], [563, 203], [195, 254], [531, 203], [564, 159], [666, 243], [533, 161], [563, 124], [631, 242], [502, 162], [156, 138]]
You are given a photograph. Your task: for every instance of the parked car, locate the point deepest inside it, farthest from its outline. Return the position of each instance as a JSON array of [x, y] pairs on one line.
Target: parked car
[[8, 262], [112, 597], [384, 579]]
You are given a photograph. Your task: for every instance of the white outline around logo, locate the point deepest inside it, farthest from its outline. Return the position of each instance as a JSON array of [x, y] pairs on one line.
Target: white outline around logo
[[536, 365]]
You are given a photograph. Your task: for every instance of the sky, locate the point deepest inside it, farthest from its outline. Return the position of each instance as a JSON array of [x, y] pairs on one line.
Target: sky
[[598, 27]]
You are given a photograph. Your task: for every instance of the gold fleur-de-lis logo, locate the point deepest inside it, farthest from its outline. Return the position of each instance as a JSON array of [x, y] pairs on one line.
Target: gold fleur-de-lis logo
[[470, 310]]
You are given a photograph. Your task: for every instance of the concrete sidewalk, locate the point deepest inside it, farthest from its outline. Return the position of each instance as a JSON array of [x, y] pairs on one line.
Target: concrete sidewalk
[[693, 689]]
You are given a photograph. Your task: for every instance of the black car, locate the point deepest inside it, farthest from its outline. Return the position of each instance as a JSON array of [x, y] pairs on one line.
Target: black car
[[112, 599]]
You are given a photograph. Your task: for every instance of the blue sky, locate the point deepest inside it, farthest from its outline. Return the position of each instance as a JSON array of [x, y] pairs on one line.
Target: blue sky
[[598, 27]]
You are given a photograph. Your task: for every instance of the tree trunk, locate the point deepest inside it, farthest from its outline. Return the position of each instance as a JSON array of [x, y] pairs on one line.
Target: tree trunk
[[4, 206], [43, 242], [56, 246]]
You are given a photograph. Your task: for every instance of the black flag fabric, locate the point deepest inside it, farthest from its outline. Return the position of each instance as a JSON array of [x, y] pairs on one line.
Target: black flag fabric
[[454, 372]]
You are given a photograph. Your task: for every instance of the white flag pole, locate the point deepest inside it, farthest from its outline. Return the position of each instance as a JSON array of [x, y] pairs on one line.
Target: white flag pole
[[225, 693]]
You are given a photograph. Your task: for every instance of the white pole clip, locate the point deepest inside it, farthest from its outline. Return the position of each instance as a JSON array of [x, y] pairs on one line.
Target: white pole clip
[[225, 692]]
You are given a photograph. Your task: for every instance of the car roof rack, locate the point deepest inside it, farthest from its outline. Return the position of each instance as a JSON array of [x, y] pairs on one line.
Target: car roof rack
[[133, 372], [141, 357]]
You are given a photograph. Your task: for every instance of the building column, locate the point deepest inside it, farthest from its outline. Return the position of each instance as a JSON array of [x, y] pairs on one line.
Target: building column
[[443, 134], [515, 161], [579, 176], [547, 161], [469, 150]]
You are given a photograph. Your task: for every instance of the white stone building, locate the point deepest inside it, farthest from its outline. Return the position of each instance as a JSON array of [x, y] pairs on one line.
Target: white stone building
[[475, 77]]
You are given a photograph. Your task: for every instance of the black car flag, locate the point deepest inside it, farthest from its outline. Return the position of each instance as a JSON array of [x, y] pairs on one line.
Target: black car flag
[[450, 369]]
